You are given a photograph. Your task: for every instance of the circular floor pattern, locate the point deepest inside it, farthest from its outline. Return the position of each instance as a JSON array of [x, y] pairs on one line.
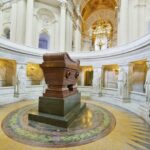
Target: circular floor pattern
[[94, 123]]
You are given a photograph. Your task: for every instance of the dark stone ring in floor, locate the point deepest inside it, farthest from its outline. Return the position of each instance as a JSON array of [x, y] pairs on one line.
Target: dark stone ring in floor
[[94, 123]]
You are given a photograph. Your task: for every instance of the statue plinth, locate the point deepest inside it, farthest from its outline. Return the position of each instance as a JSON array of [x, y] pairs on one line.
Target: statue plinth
[[61, 102]]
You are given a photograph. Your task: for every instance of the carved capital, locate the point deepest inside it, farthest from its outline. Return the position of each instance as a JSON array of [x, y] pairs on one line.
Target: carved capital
[[63, 5]]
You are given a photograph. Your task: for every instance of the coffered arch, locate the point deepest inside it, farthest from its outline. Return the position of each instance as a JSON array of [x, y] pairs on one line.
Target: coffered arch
[[105, 14], [96, 3]]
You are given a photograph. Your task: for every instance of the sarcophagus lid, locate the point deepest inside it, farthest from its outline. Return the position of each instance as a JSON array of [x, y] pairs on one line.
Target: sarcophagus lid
[[60, 60]]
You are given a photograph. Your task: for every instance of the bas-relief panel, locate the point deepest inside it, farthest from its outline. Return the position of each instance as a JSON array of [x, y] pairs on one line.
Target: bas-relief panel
[[139, 76], [111, 79], [138, 81]]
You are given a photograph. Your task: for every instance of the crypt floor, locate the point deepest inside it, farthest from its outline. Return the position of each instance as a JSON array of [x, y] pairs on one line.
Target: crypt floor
[[130, 132]]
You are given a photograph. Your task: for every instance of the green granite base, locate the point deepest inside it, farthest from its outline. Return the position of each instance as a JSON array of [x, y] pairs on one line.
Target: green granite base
[[60, 121], [92, 124], [59, 112], [59, 106]]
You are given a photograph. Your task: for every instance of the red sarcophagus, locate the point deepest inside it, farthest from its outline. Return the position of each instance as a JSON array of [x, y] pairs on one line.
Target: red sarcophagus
[[61, 102], [61, 74]]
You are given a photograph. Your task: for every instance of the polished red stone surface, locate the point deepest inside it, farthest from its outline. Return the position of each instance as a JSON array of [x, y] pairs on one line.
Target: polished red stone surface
[[61, 74]]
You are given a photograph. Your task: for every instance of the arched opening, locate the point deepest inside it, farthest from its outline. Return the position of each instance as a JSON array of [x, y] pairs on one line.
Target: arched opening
[[101, 34], [7, 33], [44, 41], [99, 28]]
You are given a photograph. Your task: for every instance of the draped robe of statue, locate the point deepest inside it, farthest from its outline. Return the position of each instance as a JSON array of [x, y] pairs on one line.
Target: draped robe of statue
[[147, 86], [122, 83]]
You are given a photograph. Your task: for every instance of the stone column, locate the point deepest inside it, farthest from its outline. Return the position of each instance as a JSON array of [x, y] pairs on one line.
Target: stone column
[[147, 83], [97, 80], [67, 41], [35, 33], [1, 20], [147, 93], [123, 23], [20, 80], [62, 27], [124, 82], [13, 21], [56, 35], [20, 30], [29, 23], [69, 31], [142, 18], [133, 20], [77, 43]]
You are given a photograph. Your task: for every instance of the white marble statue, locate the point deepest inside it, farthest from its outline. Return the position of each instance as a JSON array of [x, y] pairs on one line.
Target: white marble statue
[[20, 82], [97, 80], [147, 86], [122, 83]]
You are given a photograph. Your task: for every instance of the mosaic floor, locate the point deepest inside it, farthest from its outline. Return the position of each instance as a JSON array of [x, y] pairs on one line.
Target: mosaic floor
[[116, 129]]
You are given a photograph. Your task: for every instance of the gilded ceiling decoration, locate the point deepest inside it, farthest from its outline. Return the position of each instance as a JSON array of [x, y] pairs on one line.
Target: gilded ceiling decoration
[[94, 5], [94, 10]]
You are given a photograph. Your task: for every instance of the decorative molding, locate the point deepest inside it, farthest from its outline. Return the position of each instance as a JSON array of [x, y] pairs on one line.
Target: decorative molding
[[137, 50]]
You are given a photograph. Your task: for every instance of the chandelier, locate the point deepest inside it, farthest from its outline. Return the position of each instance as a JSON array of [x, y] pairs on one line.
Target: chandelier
[[101, 29]]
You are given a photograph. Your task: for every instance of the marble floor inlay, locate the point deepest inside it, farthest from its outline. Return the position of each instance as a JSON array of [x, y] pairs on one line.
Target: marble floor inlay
[[100, 127], [95, 122]]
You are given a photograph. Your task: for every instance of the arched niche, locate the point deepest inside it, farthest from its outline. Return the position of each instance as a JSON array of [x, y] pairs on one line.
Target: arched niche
[[7, 72], [46, 29], [86, 76], [34, 74]]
